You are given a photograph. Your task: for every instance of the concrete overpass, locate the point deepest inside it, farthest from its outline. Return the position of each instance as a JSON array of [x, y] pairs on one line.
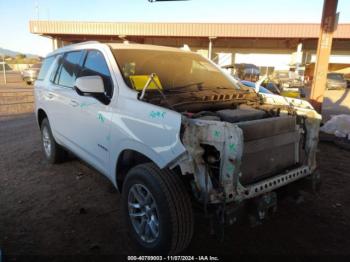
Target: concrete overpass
[[210, 39]]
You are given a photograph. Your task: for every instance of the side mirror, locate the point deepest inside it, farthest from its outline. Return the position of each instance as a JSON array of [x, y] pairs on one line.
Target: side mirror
[[90, 84]]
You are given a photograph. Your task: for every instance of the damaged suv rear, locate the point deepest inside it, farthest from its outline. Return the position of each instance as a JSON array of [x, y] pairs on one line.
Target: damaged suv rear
[[180, 132]]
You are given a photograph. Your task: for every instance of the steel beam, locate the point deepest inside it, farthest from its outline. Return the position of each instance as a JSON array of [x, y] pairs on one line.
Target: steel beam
[[324, 48]]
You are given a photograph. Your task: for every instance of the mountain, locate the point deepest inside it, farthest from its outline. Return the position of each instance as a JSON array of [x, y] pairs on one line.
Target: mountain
[[8, 52]]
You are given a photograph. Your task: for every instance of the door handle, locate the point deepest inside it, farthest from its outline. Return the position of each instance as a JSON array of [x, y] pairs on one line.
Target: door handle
[[74, 103]]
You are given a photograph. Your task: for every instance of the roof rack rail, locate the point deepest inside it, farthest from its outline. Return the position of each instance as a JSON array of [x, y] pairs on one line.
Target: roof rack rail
[[64, 48]]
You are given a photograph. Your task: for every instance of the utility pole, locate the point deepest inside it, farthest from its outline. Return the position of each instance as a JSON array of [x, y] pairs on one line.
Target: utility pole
[[324, 49], [4, 69], [37, 10]]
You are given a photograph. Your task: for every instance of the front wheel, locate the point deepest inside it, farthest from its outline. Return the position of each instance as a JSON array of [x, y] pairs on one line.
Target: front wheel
[[158, 210]]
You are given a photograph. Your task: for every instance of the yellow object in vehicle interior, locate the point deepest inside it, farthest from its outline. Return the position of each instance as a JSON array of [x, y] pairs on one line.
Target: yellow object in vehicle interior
[[139, 82], [289, 93]]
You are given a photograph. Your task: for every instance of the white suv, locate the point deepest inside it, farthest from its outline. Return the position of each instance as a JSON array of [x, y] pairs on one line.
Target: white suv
[[169, 129]]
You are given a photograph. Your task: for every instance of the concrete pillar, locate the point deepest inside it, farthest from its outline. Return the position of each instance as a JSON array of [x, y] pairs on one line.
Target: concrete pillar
[[306, 57], [324, 48], [54, 44], [210, 48], [299, 58], [233, 58], [57, 43]]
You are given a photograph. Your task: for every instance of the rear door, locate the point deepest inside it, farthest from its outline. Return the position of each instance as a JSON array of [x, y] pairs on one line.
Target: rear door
[[64, 104]]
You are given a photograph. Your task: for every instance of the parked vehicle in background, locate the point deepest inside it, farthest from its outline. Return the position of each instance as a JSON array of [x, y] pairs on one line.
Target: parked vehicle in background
[[30, 74], [336, 81], [285, 78], [347, 79], [247, 72], [168, 128], [291, 92], [288, 83], [262, 89]]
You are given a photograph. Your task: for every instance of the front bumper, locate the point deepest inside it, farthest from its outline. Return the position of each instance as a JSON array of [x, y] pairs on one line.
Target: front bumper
[[273, 183], [260, 202]]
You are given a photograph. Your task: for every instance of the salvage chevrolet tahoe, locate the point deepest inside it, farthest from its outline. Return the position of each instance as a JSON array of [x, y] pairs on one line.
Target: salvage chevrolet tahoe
[[169, 129]]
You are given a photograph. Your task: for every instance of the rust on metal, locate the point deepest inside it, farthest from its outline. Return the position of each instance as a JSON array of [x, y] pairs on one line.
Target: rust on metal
[[324, 48]]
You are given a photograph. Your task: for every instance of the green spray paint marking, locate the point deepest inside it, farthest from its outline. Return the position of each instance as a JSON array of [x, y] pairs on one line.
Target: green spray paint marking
[[101, 118], [108, 138], [230, 168], [216, 133], [232, 148], [157, 114]]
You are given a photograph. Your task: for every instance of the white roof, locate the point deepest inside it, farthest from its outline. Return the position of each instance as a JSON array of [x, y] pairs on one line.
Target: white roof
[[91, 44]]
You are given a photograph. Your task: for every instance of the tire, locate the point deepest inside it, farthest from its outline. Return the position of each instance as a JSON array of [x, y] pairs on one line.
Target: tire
[[171, 204], [53, 152]]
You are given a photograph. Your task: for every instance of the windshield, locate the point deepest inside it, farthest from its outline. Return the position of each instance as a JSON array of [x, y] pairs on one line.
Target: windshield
[[174, 70], [335, 76]]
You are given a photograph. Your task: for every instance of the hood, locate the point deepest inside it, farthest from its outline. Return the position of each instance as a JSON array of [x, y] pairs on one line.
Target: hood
[[286, 101]]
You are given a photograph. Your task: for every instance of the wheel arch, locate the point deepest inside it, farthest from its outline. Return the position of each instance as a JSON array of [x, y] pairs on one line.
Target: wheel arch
[[41, 115], [130, 153], [126, 160]]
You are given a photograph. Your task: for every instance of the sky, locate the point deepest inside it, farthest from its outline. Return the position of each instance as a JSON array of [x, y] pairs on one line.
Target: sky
[[16, 14]]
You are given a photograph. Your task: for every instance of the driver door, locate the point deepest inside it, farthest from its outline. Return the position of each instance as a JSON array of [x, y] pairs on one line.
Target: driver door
[[94, 116]]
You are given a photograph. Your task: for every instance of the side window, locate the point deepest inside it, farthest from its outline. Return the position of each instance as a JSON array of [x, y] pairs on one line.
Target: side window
[[54, 73], [45, 67], [95, 64], [68, 69]]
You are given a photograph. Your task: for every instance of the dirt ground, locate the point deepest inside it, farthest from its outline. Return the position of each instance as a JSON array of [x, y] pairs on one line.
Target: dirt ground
[[50, 212]]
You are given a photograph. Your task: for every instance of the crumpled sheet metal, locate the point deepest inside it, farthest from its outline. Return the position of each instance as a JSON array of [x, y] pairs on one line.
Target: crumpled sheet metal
[[227, 138]]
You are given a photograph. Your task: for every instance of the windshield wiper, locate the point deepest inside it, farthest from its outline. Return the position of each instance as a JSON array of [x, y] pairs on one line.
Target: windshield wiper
[[149, 81]]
